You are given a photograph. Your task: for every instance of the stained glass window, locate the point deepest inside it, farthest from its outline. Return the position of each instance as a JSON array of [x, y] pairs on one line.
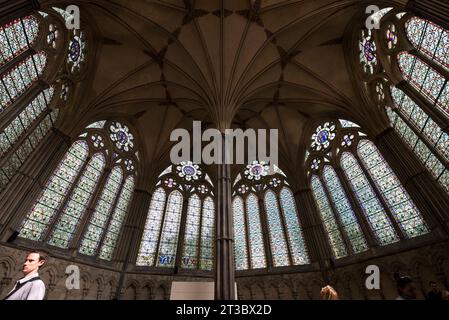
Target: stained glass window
[[191, 237], [294, 232], [241, 246], [170, 230], [426, 80], [432, 144], [16, 36], [163, 231], [79, 200], [401, 206], [75, 208], [327, 215], [23, 152], [153, 225], [430, 39], [367, 198], [51, 198], [207, 234], [112, 234], [14, 83], [103, 211], [344, 209], [277, 239], [258, 259], [19, 126]]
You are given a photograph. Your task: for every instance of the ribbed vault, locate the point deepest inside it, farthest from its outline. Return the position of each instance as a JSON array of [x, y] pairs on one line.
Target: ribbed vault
[[228, 63]]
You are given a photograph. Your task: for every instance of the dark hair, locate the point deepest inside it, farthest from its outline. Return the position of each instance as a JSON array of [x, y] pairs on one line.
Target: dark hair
[[43, 256], [432, 282], [402, 281]]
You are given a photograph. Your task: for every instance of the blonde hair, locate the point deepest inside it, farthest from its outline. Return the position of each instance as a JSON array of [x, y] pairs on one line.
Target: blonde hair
[[328, 293]]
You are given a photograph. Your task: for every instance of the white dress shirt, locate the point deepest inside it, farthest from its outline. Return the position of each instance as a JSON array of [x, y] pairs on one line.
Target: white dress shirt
[[34, 290]]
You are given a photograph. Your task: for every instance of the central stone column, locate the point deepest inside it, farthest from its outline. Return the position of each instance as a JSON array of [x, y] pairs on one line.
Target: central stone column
[[224, 256]]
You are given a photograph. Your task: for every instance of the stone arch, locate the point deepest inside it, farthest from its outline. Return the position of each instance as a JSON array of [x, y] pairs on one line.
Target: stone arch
[[285, 291], [271, 291], [257, 292], [131, 290], [160, 292], [243, 292]]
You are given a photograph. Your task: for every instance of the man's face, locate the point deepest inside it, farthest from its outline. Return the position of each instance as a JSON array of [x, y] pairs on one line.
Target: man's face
[[410, 290], [434, 287], [31, 263]]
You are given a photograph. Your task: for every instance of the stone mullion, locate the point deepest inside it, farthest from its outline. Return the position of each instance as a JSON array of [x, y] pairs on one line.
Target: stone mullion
[[428, 107], [363, 221], [67, 196], [247, 235], [424, 140], [128, 244], [16, 146], [284, 229], [29, 182], [92, 205], [109, 220], [431, 62], [16, 60], [427, 194], [314, 232], [13, 111], [265, 232], [200, 240], [164, 213], [182, 231], [337, 218], [380, 197]]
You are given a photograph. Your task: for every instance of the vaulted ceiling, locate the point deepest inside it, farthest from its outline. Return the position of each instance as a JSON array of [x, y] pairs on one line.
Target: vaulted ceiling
[[229, 63]]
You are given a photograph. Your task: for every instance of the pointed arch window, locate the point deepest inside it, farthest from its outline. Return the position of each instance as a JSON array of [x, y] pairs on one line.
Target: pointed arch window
[[16, 37], [356, 191], [418, 108], [180, 226], [84, 202], [266, 222], [28, 106], [430, 39]]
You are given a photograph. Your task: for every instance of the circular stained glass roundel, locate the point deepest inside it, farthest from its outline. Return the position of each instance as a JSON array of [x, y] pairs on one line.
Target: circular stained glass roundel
[[256, 170], [124, 140], [323, 136], [189, 171]]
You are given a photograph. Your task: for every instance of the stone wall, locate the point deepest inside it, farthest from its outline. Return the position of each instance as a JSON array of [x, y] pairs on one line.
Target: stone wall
[[430, 263], [423, 264]]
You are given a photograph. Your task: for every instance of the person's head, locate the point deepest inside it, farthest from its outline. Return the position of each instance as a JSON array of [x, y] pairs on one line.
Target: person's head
[[406, 287], [33, 261], [328, 293], [433, 286]]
